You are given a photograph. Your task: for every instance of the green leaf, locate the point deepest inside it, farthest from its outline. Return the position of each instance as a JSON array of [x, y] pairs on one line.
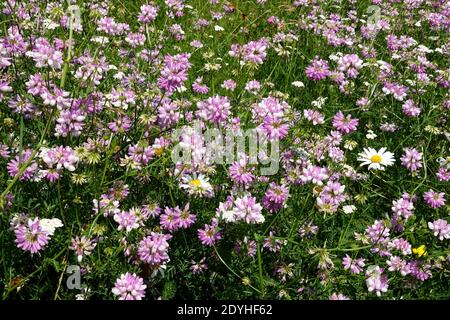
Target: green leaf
[[169, 291]]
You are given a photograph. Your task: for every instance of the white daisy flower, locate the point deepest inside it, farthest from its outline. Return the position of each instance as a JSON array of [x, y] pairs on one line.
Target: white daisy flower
[[376, 160], [197, 185]]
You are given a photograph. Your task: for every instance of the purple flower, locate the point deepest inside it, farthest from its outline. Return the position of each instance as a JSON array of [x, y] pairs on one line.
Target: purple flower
[[378, 232], [141, 155], [121, 98], [440, 228], [345, 124], [314, 116], [241, 172], [402, 245], [397, 264], [314, 174], [55, 96], [148, 13], [126, 220], [338, 296], [253, 86], [214, 109], [350, 63], [18, 105], [82, 246], [246, 246], [253, 52], [354, 265], [176, 8], [129, 287], [14, 40], [135, 39], [5, 86], [376, 281], [420, 270], [246, 208], [271, 108], [70, 121], [397, 90], [111, 27], [153, 249], [443, 174], [210, 234], [177, 32], [273, 244], [174, 73], [318, 69], [199, 87], [31, 237], [186, 219], [169, 220], [308, 230], [199, 267], [275, 128], [402, 207], [168, 114], [275, 197], [410, 109], [121, 124], [57, 159], [434, 199], [333, 193], [229, 85], [412, 159], [45, 55], [151, 210], [14, 165]]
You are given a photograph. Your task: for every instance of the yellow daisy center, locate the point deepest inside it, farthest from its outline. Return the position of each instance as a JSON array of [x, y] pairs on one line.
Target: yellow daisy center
[[159, 151], [195, 183], [448, 160], [376, 159]]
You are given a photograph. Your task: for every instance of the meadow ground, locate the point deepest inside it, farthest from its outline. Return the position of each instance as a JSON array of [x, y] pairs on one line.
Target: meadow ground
[[210, 149]]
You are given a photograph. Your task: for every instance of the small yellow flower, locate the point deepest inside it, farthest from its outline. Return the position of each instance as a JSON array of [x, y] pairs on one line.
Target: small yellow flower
[[420, 251]]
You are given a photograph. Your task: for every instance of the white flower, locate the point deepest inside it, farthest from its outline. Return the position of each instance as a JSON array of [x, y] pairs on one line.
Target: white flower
[[50, 225], [229, 216], [197, 185], [370, 135], [298, 84], [84, 294], [349, 209], [218, 28], [376, 160], [50, 25], [319, 102], [100, 40], [119, 75]]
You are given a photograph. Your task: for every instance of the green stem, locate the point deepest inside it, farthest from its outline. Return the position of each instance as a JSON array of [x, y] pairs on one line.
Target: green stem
[[261, 280], [61, 209], [232, 271]]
